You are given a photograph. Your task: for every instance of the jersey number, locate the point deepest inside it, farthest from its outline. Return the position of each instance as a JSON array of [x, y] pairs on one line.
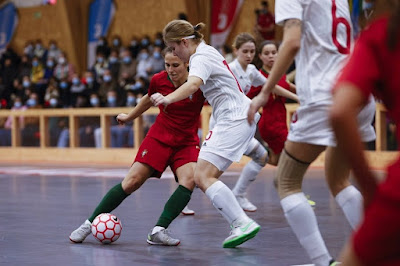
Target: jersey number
[[335, 23]]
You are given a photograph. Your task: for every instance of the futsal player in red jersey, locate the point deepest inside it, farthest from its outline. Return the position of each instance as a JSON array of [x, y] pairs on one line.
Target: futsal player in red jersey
[[272, 125], [171, 141], [372, 69]]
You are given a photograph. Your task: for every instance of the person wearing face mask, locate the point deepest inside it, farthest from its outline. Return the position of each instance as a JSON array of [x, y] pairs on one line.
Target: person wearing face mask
[[107, 85], [39, 50], [30, 133], [65, 92], [114, 63], [63, 69], [53, 51], [77, 88], [25, 67], [134, 46], [156, 61], [90, 82], [100, 66], [37, 72], [128, 66], [144, 64], [5, 133]]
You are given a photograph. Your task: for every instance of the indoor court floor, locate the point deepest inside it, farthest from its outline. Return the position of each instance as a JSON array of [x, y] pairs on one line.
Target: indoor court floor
[[41, 205]]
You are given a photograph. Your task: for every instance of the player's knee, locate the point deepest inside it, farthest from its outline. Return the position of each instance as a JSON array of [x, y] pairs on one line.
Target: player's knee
[[259, 155], [187, 183], [132, 182], [290, 175]]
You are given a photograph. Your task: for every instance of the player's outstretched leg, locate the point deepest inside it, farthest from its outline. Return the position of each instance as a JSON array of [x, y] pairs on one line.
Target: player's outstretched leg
[[242, 227], [110, 201], [175, 204], [259, 157]]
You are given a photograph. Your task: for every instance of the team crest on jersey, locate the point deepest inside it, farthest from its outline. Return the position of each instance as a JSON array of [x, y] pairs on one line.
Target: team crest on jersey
[[144, 153]]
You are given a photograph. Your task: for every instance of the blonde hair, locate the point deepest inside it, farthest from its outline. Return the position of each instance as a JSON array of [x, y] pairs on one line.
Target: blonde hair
[[242, 38], [176, 30]]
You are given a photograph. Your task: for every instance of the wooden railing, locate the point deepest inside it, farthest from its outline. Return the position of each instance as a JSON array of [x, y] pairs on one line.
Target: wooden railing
[[75, 153]]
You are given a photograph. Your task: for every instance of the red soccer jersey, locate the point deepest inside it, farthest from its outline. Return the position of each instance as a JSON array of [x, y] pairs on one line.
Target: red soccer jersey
[[265, 20], [272, 125], [176, 124], [373, 68]]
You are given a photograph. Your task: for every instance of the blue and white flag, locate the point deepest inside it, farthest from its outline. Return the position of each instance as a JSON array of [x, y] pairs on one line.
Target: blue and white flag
[[101, 13], [8, 23]]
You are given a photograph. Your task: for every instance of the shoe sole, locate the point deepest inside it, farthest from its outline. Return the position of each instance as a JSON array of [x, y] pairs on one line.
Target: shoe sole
[[188, 213], [160, 244], [241, 239], [76, 242]]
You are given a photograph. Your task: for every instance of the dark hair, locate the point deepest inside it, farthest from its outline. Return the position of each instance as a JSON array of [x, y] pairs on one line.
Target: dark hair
[[267, 42]]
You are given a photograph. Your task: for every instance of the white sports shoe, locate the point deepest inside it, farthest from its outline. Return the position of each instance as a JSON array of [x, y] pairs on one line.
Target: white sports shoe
[[81, 233], [162, 238], [245, 204], [187, 211], [241, 232]]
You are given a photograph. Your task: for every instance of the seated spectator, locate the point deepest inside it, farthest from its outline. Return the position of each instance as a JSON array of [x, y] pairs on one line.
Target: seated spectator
[[100, 66], [63, 70], [40, 51], [30, 133], [107, 85], [8, 74], [116, 43], [65, 93], [53, 51], [90, 82], [56, 124], [77, 88], [114, 63], [37, 75], [52, 91], [49, 69], [128, 66], [134, 47], [25, 67], [144, 64], [28, 49], [156, 62], [102, 47]]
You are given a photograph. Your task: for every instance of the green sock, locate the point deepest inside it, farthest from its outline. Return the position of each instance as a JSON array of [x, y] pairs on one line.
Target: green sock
[[175, 204], [110, 201]]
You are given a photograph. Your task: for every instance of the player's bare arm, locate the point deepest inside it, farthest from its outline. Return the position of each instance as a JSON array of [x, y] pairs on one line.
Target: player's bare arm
[[143, 105], [278, 90], [347, 104], [288, 50], [188, 88]]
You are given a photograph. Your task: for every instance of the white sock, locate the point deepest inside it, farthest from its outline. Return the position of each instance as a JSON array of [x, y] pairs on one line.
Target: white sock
[[303, 222], [350, 200], [225, 202], [248, 175], [157, 229]]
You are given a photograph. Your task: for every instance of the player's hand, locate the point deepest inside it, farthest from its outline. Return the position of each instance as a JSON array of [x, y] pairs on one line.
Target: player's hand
[[256, 103], [158, 99], [122, 118]]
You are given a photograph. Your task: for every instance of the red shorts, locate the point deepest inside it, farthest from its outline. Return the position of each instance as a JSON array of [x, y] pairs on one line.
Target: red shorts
[[377, 241], [275, 138], [158, 155]]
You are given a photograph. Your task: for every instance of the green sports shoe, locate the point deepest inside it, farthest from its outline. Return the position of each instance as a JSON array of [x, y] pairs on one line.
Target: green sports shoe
[[311, 202], [240, 233], [334, 263]]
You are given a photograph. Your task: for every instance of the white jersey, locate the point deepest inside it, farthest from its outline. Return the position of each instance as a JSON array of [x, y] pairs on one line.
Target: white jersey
[[248, 78], [220, 87], [325, 44]]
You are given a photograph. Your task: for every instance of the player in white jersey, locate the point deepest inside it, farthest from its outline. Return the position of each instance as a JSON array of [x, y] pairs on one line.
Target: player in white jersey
[[320, 31], [248, 75], [229, 138]]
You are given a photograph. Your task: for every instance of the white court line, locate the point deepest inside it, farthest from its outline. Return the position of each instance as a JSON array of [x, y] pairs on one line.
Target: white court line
[[85, 172]]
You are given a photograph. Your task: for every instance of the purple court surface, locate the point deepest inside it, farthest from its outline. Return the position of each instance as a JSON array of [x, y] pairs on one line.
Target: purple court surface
[[40, 205]]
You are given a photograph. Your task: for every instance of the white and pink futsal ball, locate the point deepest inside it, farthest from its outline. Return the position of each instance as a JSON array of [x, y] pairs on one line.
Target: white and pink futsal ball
[[106, 228]]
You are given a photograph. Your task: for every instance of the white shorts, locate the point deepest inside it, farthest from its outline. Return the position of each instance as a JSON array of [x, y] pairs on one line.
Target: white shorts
[[310, 124], [229, 140]]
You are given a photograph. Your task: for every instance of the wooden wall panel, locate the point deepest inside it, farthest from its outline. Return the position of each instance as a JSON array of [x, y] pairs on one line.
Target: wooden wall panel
[[138, 17]]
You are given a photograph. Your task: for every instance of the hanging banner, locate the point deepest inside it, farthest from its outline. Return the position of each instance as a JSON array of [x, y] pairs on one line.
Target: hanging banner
[[223, 16], [8, 23], [101, 13]]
